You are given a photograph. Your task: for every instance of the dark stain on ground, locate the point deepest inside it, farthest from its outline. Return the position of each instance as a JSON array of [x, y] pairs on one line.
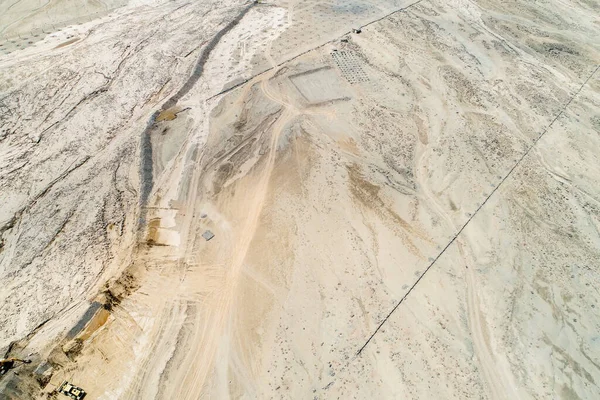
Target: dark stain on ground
[[453, 206], [233, 163], [153, 235], [223, 173]]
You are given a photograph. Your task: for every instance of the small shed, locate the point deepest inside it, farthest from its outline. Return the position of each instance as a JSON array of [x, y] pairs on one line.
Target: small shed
[[207, 235]]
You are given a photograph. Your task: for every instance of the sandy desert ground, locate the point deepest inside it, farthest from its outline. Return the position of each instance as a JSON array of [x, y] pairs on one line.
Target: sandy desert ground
[[406, 211]]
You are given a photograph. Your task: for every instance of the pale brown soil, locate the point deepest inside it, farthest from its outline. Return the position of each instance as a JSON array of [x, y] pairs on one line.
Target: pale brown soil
[[408, 212]]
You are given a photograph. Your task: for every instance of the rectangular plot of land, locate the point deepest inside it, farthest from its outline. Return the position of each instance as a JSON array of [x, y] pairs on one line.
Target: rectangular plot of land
[[320, 85], [350, 66]]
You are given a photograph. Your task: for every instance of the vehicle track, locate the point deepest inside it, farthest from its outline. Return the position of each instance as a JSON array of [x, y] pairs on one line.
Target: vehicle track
[[217, 320], [146, 167]]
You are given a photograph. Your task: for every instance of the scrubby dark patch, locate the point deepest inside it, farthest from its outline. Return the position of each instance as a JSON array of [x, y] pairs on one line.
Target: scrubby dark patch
[[232, 165], [453, 206], [242, 120], [43, 373], [556, 49], [492, 141], [393, 137], [595, 120], [565, 53], [232, 146], [223, 173], [115, 292], [73, 348], [465, 90]]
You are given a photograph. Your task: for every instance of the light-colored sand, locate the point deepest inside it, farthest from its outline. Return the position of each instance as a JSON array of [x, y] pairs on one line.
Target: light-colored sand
[[408, 212]]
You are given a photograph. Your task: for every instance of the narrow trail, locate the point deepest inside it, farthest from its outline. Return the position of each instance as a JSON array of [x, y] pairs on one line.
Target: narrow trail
[[498, 385], [498, 381], [212, 330], [215, 333]]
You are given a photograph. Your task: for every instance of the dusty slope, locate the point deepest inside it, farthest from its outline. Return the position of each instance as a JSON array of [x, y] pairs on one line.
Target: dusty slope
[[445, 157]]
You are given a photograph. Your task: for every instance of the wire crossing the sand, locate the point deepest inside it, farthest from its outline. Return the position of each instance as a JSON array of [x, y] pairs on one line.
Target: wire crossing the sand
[[358, 353]]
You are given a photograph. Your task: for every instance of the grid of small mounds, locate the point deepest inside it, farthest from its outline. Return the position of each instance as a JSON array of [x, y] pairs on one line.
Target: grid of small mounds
[[350, 66]]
